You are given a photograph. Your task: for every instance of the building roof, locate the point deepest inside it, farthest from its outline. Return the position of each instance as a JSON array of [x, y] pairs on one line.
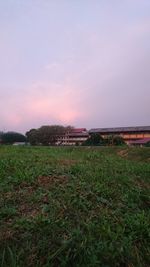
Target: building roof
[[78, 134], [78, 130], [121, 129], [141, 141]]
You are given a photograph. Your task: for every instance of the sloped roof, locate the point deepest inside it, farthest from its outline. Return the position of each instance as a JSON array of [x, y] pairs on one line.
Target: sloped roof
[[79, 134], [78, 130], [141, 141], [121, 129]]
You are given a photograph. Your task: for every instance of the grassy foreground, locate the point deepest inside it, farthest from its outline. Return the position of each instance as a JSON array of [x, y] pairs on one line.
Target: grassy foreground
[[74, 207]]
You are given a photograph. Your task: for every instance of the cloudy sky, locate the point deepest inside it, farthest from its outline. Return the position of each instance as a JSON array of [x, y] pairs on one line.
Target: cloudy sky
[[78, 62]]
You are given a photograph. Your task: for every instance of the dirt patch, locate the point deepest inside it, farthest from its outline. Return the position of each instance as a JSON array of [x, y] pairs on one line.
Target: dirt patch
[[46, 181], [123, 153], [41, 181], [28, 210], [6, 234], [142, 184], [24, 186]]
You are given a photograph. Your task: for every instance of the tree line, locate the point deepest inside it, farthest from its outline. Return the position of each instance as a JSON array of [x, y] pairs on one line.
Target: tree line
[[50, 134], [45, 135], [12, 137]]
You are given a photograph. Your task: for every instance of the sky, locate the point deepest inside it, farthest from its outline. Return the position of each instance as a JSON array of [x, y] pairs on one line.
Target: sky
[[84, 63]]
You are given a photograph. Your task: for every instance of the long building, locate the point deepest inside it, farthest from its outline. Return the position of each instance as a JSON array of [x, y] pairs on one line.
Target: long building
[[127, 133], [76, 136]]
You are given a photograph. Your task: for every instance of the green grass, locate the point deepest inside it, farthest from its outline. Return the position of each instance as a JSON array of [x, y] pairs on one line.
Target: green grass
[[74, 207]]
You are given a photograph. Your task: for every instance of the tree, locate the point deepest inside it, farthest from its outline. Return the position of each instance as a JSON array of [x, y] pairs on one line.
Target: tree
[[12, 137], [114, 140], [32, 136], [1, 133], [147, 144], [118, 140], [47, 135], [95, 139]]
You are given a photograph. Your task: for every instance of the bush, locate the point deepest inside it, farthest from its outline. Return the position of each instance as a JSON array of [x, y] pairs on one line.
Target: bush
[[12, 137], [95, 139], [114, 140], [147, 144]]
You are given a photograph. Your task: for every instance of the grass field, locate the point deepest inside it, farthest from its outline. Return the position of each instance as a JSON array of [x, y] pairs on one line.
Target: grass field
[[85, 207]]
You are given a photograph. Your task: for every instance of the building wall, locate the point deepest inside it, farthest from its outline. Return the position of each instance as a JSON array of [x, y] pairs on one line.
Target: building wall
[[128, 136], [72, 139]]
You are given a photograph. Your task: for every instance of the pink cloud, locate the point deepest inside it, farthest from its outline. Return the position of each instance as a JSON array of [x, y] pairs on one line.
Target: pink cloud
[[44, 103]]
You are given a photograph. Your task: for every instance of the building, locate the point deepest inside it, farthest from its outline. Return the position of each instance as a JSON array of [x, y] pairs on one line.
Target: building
[[19, 143], [127, 133], [141, 142], [76, 136]]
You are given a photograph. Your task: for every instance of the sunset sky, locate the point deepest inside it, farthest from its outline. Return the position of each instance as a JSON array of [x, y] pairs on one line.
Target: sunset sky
[[80, 62]]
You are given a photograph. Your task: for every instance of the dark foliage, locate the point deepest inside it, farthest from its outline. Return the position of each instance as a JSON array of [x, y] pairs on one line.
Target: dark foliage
[[12, 137], [114, 140], [46, 135], [95, 139], [32, 136], [147, 144]]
